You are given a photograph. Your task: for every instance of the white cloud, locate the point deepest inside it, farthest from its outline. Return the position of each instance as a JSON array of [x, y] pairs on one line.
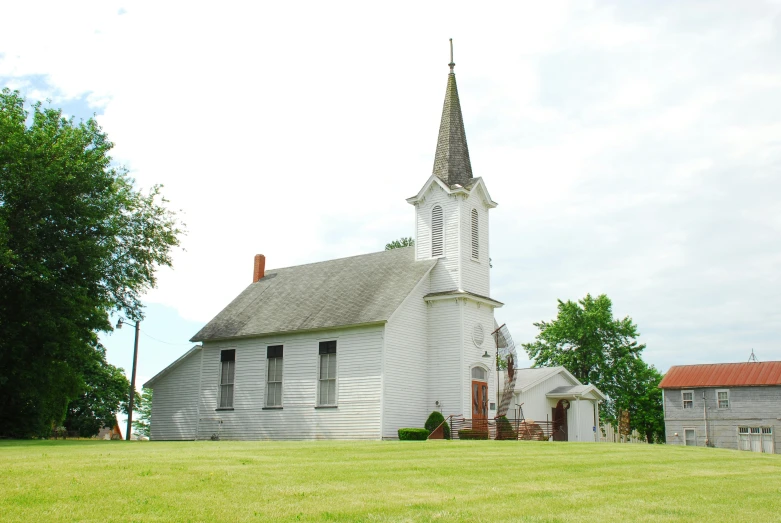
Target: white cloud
[[634, 149]]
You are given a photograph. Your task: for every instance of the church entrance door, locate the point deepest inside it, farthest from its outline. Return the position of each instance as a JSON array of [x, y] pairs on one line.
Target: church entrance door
[[480, 405]]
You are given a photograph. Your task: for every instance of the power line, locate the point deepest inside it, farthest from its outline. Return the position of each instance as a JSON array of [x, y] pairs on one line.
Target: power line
[[161, 341]]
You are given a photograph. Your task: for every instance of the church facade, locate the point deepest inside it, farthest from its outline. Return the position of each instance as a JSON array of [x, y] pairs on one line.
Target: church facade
[[358, 347]]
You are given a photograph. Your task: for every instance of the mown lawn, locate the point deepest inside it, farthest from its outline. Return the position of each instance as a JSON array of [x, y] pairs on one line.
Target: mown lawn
[[383, 481]]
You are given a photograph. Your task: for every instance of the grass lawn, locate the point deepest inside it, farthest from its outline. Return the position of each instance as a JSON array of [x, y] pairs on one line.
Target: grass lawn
[[383, 481]]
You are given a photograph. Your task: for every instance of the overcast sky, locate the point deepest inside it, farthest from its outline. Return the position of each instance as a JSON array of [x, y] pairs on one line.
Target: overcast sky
[[634, 148]]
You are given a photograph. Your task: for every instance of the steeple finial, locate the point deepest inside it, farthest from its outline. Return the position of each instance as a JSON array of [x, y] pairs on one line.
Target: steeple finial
[[451, 64]]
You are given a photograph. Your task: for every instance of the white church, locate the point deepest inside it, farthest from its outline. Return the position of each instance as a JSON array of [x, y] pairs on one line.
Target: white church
[[358, 347]]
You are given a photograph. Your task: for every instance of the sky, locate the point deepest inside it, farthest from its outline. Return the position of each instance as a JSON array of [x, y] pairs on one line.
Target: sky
[[634, 148]]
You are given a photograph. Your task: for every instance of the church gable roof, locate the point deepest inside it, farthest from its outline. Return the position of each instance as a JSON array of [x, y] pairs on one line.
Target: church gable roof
[[337, 293]]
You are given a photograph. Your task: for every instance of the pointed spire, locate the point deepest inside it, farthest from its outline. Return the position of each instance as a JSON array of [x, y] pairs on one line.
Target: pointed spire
[[451, 162]]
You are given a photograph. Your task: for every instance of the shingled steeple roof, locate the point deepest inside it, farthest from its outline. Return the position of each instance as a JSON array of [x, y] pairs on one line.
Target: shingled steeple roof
[[451, 162]]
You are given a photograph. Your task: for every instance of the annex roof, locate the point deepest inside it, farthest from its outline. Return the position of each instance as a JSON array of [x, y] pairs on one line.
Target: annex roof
[[150, 383], [528, 378], [723, 375], [357, 290], [576, 391]]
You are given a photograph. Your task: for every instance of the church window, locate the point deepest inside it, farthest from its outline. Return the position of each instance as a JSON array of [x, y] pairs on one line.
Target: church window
[[479, 373], [326, 390], [475, 236], [227, 372], [274, 376], [437, 239]]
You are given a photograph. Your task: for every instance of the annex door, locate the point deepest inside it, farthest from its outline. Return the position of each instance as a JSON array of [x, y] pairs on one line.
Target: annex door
[[480, 405], [559, 417]]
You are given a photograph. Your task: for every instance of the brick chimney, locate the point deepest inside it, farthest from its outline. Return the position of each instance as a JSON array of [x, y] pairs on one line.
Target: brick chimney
[[260, 268]]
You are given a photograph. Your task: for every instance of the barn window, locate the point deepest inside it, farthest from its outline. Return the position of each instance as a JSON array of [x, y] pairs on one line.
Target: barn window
[[227, 372], [688, 399], [722, 397], [437, 239], [326, 390], [475, 236], [274, 376]]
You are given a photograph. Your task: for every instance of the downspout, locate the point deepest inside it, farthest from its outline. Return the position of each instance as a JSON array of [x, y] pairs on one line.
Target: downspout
[[705, 416], [577, 416]]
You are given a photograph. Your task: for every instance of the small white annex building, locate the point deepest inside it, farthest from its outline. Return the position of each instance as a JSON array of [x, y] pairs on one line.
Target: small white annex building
[[554, 395], [353, 348]]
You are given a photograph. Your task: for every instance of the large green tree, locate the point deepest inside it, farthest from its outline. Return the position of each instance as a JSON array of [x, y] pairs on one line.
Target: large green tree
[[595, 347], [77, 241], [105, 391]]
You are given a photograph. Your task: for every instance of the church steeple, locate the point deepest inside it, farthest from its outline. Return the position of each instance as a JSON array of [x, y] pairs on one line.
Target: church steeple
[[451, 162]]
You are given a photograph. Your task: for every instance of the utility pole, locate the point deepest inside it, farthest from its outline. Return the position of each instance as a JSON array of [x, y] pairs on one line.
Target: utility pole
[[131, 403]]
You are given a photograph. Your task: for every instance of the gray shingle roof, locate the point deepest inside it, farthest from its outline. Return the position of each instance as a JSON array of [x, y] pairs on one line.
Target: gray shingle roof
[[451, 161], [348, 291]]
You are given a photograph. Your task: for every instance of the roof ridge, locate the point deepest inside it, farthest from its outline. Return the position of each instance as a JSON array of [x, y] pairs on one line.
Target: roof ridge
[[269, 271]]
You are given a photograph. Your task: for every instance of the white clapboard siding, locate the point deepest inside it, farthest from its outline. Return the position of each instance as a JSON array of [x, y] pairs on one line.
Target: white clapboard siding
[[583, 411], [536, 405], [475, 273], [444, 276], [357, 416], [444, 364], [175, 401], [406, 370], [473, 314]]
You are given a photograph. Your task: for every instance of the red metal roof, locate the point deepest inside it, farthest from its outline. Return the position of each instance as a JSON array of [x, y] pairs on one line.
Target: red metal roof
[[723, 375]]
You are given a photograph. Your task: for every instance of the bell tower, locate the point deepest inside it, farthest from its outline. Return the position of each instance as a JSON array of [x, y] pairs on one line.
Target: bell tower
[[451, 210]]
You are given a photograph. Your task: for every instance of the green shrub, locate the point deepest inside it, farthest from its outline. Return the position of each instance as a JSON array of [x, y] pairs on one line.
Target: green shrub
[[472, 434], [504, 429], [434, 420], [413, 434]]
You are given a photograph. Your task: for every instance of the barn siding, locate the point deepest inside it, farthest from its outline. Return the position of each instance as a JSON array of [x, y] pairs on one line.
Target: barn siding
[[405, 391], [749, 406], [359, 354], [175, 401]]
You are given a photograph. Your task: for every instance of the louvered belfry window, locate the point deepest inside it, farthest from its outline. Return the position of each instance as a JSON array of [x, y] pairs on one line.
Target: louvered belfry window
[[475, 236], [436, 231]]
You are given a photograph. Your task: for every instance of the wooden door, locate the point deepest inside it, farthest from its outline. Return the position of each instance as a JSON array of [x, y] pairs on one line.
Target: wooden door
[[559, 417], [480, 405]]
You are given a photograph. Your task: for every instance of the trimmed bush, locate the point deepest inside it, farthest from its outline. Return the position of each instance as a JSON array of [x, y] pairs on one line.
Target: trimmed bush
[[434, 420], [472, 434], [413, 434], [504, 429]]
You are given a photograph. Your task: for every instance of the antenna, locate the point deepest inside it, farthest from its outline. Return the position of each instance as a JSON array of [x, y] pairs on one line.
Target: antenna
[[451, 64], [752, 358]]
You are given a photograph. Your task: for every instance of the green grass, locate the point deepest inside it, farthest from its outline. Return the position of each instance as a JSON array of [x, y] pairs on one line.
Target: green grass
[[383, 481]]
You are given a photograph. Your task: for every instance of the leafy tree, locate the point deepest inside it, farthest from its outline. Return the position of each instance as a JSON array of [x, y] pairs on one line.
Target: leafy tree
[[644, 402], [398, 244], [76, 242], [142, 424], [105, 391], [595, 347]]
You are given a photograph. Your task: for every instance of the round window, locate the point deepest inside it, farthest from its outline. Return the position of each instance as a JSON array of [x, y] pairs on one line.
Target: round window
[[478, 335]]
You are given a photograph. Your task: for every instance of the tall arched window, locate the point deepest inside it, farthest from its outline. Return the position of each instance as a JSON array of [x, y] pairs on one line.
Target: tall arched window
[[436, 231], [475, 236]]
